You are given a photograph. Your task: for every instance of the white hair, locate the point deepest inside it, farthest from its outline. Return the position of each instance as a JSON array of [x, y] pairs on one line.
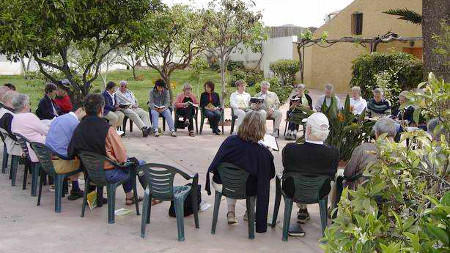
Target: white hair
[[301, 86], [19, 101], [357, 89], [123, 82], [329, 87], [385, 126], [265, 83], [186, 85], [318, 126], [378, 91]]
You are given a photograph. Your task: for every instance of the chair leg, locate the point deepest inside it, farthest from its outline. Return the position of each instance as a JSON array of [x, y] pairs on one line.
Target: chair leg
[[111, 191], [26, 169], [86, 189], [251, 200], [131, 126], [323, 213], [232, 125], [145, 213], [287, 217], [285, 128], [149, 211], [179, 212], [41, 182], [59, 181], [202, 121], [276, 206], [218, 197], [14, 166], [34, 178], [135, 196], [194, 199], [5, 159]]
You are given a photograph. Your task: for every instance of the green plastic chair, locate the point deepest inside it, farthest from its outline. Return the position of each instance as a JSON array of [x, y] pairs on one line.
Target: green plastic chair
[[233, 121], [44, 154], [93, 164], [308, 190], [34, 167], [176, 119], [202, 120], [234, 182], [5, 154], [159, 180], [14, 159]]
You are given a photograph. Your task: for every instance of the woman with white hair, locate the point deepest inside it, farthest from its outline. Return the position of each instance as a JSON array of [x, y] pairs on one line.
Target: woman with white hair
[[310, 158], [357, 103], [244, 151], [378, 106], [185, 104]]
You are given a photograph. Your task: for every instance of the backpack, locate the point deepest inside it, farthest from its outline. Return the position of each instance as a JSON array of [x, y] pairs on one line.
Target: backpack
[[188, 210]]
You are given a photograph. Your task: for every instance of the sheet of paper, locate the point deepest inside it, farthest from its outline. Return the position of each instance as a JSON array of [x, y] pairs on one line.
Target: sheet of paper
[[270, 142]]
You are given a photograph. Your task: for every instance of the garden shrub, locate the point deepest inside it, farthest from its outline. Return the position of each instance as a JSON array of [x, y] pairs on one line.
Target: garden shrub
[[235, 65], [286, 70], [236, 75], [394, 72], [250, 77]]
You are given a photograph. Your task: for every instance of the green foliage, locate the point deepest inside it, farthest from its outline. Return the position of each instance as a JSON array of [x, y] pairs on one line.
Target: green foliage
[[250, 77], [405, 14], [306, 35], [286, 70], [235, 65], [237, 75], [404, 203], [397, 71], [443, 42]]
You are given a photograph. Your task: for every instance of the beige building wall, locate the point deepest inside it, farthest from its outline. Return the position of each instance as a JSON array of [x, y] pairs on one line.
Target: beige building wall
[[334, 64]]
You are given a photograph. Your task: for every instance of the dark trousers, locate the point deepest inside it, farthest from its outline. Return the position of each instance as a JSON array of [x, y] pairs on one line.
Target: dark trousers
[[293, 126], [213, 118], [188, 114], [116, 175]]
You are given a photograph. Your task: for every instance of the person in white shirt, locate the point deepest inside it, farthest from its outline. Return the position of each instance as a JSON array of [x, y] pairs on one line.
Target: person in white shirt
[[270, 108], [357, 103], [329, 98], [129, 105], [240, 102]]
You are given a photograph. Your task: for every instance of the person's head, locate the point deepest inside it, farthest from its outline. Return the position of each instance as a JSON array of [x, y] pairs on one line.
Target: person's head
[[187, 89], [356, 92], [3, 91], [50, 90], [10, 86], [265, 87], [7, 98], [21, 103], [378, 94], [93, 104], [403, 97], [433, 131], [317, 127], [62, 87], [240, 85], [385, 126], [80, 112], [329, 88], [111, 87], [123, 86], [252, 128], [160, 85], [209, 86], [301, 89]]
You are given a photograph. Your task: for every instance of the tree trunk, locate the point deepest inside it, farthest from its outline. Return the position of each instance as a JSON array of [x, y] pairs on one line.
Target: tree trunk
[[166, 79], [222, 80], [302, 64], [433, 13]]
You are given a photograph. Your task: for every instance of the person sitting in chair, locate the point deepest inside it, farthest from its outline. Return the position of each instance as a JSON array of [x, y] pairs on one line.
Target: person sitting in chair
[[244, 151], [47, 108], [329, 99], [210, 104], [112, 110], [296, 103], [270, 107], [159, 103], [94, 134], [240, 102], [186, 103], [378, 106], [62, 99], [129, 105], [357, 103], [310, 158]]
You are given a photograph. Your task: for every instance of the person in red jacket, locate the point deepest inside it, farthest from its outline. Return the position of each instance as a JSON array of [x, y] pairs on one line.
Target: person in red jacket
[[62, 99]]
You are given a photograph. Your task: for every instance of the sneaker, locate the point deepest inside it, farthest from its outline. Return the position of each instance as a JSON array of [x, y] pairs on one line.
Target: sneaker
[[231, 218], [173, 133], [302, 216], [145, 131], [51, 188], [75, 195], [156, 134], [295, 230]]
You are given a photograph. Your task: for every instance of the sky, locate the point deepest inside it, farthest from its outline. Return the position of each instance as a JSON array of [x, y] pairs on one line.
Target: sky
[[303, 13]]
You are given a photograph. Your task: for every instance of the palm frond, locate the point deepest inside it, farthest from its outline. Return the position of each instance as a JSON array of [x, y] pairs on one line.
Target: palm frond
[[405, 14]]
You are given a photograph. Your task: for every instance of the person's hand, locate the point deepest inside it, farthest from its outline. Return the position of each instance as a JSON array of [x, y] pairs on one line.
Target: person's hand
[[186, 104], [134, 106]]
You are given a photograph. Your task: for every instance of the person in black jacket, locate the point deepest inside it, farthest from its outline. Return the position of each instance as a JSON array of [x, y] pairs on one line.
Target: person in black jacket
[[244, 151], [311, 158], [46, 108], [210, 105], [297, 102], [111, 110]]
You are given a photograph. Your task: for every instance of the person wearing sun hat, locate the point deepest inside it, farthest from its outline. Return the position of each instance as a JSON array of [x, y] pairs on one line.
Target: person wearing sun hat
[[62, 99], [312, 158]]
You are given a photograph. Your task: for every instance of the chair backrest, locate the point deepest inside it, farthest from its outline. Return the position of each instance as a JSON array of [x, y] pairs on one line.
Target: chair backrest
[[311, 189], [23, 144], [159, 179], [234, 180], [94, 164], [44, 155]]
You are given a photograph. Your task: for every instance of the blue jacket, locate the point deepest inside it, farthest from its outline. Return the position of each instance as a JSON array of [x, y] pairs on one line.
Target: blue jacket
[[109, 103], [45, 108]]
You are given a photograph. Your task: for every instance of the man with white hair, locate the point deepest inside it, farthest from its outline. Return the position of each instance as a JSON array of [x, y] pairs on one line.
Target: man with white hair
[[129, 105], [270, 108], [329, 98], [310, 158], [357, 103], [6, 117]]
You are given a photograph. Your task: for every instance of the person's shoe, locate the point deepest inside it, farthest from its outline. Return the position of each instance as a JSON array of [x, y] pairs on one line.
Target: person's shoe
[[173, 133], [145, 131], [231, 218], [275, 133], [295, 230], [156, 134], [191, 133], [218, 131], [186, 123], [52, 188], [302, 216], [75, 195]]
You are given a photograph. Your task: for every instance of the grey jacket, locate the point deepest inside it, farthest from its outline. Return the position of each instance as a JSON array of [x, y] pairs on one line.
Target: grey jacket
[[159, 99]]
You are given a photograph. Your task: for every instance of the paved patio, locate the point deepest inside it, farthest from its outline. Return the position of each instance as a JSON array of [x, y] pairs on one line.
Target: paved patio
[[28, 228]]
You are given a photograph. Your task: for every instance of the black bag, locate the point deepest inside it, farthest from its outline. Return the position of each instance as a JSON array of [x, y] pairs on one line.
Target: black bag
[[188, 210]]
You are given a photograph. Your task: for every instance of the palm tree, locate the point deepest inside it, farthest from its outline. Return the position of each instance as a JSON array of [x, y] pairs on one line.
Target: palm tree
[[405, 14]]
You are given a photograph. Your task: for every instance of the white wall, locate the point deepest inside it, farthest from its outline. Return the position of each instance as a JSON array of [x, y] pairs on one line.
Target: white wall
[[14, 68]]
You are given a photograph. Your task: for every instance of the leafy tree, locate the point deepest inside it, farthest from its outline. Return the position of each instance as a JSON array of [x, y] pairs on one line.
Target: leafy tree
[[50, 30], [231, 23], [131, 58], [170, 39], [286, 70]]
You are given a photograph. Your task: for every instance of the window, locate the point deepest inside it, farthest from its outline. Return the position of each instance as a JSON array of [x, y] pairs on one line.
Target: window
[[357, 23]]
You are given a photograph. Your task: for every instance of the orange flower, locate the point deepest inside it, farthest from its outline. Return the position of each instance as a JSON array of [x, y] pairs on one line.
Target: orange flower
[[340, 117]]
